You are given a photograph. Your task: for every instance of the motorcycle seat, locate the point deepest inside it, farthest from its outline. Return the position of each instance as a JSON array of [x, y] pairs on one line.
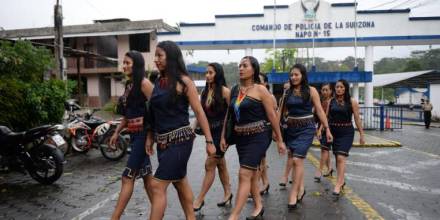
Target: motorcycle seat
[[93, 123], [9, 137], [37, 131]]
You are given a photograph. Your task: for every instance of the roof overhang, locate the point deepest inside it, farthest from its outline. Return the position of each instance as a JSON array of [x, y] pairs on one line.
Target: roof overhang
[[417, 79]]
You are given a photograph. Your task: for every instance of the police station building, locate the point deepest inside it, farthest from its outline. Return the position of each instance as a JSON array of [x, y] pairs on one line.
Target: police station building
[[312, 23]]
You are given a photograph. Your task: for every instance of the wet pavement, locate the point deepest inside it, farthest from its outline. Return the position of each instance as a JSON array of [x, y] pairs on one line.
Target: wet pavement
[[394, 183]]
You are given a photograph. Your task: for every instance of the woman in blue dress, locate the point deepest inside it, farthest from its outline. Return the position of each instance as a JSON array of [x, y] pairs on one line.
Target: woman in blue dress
[[340, 112], [299, 101], [215, 102], [253, 113], [173, 93]]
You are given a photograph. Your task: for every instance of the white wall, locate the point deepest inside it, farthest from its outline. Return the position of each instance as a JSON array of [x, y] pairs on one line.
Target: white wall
[[117, 88], [409, 98], [434, 94], [93, 85], [385, 24]]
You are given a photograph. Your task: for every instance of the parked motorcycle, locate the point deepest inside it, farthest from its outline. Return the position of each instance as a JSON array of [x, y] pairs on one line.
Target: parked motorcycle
[[30, 151], [87, 131]]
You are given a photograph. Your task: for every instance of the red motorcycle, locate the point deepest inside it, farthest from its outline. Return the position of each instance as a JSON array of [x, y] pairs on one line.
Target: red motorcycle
[[90, 132]]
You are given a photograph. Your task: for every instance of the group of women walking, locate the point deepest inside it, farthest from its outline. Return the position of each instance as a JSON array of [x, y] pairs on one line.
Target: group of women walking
[[246, 115]]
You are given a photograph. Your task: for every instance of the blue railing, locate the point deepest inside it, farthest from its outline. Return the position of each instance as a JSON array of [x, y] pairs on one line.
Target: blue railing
[[382, 117]]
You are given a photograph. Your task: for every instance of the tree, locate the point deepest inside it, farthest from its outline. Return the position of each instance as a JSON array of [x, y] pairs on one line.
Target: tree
[[430, 60], [413, 65], [26, 99], [284, 60], [23, 61]]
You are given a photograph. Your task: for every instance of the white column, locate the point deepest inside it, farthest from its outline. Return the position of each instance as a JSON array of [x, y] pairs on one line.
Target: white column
[[355, 94], [369, 65], [248, 52]]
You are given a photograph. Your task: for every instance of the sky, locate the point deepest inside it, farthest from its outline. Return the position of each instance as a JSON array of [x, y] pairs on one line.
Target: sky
[[17, 14]]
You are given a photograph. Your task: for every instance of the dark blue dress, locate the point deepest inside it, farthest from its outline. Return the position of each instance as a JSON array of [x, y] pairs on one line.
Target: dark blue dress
[[341, 127], [324, 144], [251, 145], [138, 164], [216, 116], [301, 126], [172, 119]]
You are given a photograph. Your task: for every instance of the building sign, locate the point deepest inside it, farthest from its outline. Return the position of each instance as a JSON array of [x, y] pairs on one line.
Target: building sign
[[310, 27], [313, 29]]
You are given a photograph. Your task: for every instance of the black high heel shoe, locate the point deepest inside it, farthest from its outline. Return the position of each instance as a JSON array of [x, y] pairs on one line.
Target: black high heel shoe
[[266, 190], [260, 214], [337, 194], [292, 206], [227, 201], [330, 173], [302, 197], [317, 179], [200, 207]]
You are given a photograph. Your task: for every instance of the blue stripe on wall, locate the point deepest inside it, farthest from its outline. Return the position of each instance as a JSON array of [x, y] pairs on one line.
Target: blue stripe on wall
[[323, 40]]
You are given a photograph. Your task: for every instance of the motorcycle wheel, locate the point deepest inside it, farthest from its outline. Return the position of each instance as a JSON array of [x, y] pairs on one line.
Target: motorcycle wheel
[[48, 164], [110, 154], [79, 142]]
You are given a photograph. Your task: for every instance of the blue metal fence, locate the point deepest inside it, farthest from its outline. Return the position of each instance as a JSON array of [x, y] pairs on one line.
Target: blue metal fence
[[381, 117]]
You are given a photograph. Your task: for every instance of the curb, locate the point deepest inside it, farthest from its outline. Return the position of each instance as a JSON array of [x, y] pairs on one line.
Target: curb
[[368, 145], [420, 125]]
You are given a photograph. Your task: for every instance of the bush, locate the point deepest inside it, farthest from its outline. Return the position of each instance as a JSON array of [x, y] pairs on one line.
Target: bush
[[26, 105], [26, 100]]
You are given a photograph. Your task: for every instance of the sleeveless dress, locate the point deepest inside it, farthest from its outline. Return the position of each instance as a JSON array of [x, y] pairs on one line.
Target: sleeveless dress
[[216, 119], [341, 127], [251, 129], [172, 133], [324, 144], [138, 163], [300, 125]]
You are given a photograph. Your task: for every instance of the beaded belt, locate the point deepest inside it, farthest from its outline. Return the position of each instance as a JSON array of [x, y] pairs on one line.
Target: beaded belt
[[175, 136], [300, 121], [135, 125], [341, 124], [251, 128]]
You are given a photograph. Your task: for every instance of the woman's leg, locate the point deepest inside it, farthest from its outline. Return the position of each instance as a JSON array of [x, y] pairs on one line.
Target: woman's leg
[[124, 197], [340, 166], [322, 161], [327, 160], [255, 191], [244, 187], [210, 165], [186, 197], [287, 169], [147, 185], [264, 177], [224, 177], [298, 183], [159, 203]]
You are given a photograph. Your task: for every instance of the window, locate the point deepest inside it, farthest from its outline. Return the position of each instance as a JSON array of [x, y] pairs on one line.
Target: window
[[140, 42]]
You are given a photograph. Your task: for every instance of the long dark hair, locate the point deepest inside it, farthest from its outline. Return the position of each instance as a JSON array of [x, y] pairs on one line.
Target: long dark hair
[[256, 66], [219, 82], [304, 84], [347, 96], [175, 67], [137, 75], [265, 80]]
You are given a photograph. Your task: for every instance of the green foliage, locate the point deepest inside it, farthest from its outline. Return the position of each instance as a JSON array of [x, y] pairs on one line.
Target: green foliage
[[284, 60], [23, 61], [110, 107], [26, 100]]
